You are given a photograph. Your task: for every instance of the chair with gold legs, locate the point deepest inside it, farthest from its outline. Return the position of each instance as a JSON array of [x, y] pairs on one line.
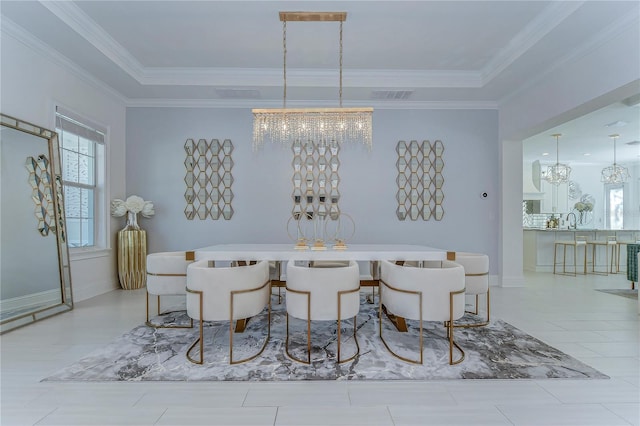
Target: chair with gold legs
[[423, 294], [167, 276], [610, 245], [227, 294], [577, 242], [476, 279], [330, 292]]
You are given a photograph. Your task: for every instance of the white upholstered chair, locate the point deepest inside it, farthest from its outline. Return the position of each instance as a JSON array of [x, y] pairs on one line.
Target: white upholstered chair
[[167, 276], [423, 294], [476, 279], [327, 293], [227, 294]]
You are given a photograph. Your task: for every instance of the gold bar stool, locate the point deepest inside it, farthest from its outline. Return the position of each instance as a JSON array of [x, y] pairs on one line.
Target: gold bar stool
[[610, 244], [578, 241]]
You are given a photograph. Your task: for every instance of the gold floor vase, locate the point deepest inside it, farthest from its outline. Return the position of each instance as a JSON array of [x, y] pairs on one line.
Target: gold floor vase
[[132, 258]]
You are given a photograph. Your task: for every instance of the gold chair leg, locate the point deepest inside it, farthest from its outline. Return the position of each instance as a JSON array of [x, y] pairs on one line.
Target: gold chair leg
[[193, 345], [266, 341], [286, 344], [450, 328], [477, 324], [381, 318], [148, 323], [355, 327], [200, 338]]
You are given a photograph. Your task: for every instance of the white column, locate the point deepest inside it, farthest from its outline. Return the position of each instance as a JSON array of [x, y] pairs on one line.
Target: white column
[[510, 245]]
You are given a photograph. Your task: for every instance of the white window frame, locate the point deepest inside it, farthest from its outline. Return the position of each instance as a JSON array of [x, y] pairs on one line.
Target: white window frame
[[100, 204]]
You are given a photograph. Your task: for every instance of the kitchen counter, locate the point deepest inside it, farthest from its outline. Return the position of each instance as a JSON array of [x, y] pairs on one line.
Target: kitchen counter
[[539, 245]]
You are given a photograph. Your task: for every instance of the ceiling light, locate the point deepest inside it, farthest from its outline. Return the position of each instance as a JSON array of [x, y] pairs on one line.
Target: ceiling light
[[558, 173], [327, 125], [544, 154], [615, 173]]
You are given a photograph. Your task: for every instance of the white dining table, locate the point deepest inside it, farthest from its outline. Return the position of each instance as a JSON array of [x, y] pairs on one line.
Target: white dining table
[[284, 252]]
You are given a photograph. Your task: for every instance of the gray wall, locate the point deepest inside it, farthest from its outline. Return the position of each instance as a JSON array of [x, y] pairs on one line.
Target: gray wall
[[262, 180]]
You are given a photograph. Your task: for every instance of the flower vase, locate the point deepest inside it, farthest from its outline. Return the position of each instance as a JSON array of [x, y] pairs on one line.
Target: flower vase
[[132, 254]]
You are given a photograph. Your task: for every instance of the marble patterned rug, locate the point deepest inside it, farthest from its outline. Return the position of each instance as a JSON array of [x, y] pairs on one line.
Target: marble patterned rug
[[497, 351]]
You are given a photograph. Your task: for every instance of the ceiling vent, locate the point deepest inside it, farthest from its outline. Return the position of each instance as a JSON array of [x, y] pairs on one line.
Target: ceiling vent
[[633, 143], [391, 95], [238, 93], [618, 123]]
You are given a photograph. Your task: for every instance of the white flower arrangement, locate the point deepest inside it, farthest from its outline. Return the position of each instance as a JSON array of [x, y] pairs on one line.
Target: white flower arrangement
[[133, 204]]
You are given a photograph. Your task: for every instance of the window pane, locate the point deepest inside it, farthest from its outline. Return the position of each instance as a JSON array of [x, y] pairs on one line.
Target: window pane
[[73, 232], [85, 147], [69, 166], [616, 208], [85, 170], [69, 140], [72, 202], [87, 232]]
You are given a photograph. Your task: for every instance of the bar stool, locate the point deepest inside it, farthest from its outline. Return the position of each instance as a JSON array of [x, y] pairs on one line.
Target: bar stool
[[610, 244], [627, 237], [578, 241]]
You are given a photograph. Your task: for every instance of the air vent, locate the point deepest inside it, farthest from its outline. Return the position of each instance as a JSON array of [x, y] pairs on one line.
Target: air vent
[[618, 123], [238, 93], [392, 95], [633, 143]]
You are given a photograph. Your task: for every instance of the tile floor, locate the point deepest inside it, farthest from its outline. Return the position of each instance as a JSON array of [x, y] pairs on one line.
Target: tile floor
[[599, 329]]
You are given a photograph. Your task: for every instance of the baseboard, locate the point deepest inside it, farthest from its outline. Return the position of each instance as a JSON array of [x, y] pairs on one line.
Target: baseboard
[[49, 297], [93, 289]]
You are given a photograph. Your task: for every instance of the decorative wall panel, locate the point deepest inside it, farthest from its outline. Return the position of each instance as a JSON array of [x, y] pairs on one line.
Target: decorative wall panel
[[420, 180], [208, 179], [40, 181], [315, 180]]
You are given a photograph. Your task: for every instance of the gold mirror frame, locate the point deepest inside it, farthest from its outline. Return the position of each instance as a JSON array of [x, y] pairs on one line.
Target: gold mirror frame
[[58, 230]]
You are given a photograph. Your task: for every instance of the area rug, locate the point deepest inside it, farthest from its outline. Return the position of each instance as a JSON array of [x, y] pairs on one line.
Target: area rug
[[624, 292], [497, 351]]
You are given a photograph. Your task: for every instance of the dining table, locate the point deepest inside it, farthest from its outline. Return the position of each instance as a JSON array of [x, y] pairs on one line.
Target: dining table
[[244, 253]]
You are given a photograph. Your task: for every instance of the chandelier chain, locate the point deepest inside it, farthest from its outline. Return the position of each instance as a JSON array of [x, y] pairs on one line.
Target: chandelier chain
[[284, 62], [340, 91]]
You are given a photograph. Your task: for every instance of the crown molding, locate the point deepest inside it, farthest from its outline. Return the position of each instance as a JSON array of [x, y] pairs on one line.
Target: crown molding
[[626, 22], [253, 103], [15, 31], [309, 77], [531, 34], [80, 22], [86, 27]]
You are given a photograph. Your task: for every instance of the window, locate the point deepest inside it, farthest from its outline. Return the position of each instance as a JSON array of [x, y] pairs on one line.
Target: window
[[82, 158], [615, 206]]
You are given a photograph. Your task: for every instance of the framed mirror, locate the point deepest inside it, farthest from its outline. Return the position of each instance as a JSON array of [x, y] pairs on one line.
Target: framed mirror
[[35, 279]]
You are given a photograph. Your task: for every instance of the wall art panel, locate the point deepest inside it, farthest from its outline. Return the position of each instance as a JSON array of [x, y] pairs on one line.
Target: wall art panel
[[208, 179], [420, 181]]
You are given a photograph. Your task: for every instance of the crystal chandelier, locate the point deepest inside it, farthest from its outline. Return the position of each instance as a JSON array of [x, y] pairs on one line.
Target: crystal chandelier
[[558, 173], [614, 173], [329, 125]]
